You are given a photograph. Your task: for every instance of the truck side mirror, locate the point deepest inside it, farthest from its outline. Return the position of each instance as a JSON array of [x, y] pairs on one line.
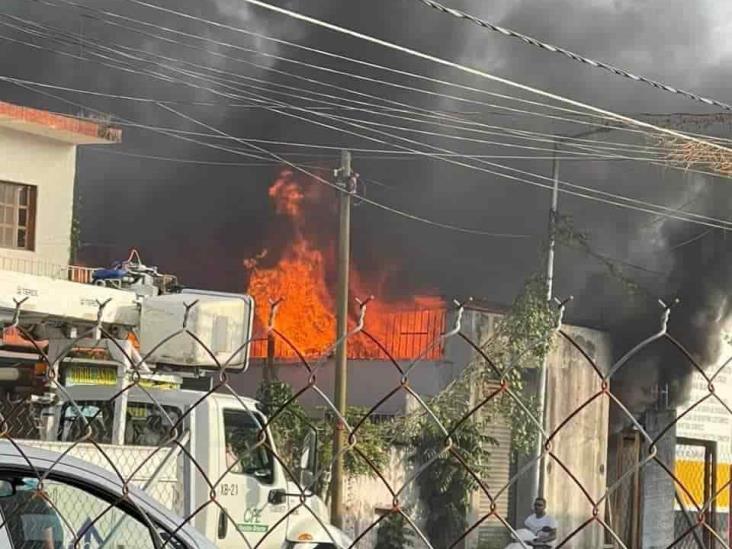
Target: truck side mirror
[[277, 496], [309, 459]]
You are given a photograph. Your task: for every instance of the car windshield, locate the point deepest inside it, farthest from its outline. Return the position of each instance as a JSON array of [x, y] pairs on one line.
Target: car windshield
[[61, 513]]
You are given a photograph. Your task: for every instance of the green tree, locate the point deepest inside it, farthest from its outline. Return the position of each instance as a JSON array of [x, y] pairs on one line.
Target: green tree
[[292, 424], [521, 340], [394, 532], [445, 485]]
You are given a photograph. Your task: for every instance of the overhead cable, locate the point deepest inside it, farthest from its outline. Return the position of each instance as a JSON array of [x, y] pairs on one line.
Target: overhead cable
[[372, 202], [460, 14], [424, 112], [386, 154], [264, 104], [502, 167], [475, 72], [282, 105], [584, 189], [341, 189], [258, 52], [523, 134], [348, 59]]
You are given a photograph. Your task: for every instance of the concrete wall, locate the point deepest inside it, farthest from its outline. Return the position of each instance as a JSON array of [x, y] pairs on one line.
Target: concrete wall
[[368, 382], [50, 166], [364, 495], [581, 444], [657, 486]]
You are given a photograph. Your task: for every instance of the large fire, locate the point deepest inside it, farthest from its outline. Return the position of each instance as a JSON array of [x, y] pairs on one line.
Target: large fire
[[307, 314]]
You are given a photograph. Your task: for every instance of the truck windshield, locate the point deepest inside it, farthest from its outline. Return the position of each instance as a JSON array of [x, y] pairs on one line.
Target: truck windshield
[[146, 425], [243, 456]]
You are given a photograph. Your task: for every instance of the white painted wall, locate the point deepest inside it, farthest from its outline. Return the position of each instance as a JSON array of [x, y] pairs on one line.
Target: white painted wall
[[50, 166], [364, 494]]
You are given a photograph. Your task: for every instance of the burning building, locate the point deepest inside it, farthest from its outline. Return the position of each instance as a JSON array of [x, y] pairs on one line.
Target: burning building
[[297, 265], [302, 274]]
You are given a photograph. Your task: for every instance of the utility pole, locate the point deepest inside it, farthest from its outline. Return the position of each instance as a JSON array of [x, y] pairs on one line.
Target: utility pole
[[346, 180], [539, 469], [538, 477], [538, 484]]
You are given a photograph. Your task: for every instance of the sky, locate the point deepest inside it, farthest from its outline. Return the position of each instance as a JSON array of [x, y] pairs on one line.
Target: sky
[[201, 220]]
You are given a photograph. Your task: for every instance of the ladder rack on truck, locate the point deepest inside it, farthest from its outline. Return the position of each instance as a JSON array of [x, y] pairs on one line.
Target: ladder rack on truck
[[96, 338]]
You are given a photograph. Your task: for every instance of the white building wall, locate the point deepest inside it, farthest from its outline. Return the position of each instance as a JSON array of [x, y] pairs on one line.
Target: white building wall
[[50, 166], [364, 494]]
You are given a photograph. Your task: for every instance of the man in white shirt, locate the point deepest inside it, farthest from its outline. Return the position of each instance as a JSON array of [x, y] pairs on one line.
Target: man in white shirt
[[542, 525]]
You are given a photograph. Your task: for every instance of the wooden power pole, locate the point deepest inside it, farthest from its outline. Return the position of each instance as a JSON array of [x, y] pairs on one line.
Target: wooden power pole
[[346, 180]]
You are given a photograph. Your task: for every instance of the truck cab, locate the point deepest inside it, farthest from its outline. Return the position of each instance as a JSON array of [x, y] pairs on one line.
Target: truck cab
[[118, 352], [209, 457]]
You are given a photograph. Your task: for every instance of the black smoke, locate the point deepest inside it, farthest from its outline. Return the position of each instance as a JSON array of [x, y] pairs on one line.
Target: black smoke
[[698, 291], [201, 220]]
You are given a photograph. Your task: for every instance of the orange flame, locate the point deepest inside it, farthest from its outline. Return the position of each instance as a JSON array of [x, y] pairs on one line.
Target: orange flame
[[307, 318]]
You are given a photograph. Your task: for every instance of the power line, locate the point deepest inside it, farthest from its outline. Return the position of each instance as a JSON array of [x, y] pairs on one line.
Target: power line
[[575, 56], [353, 60], [409, 108], [343, 58], [521, 179], [158, 28], [157, 36], [264, 105], [387, 154], [523, 134], [374, 203], [612, 195], [690, 240], [504, 175], [152, 100], [473, 71], [510, 131], [575, 193], [341, 189], [500, 166], [282, 105], [582, 156], [318, 67], [584, 195], [238, 152]]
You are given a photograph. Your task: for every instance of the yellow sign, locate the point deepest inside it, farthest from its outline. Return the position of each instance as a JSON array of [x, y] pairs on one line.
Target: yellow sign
[[95, 375], [691, 475], [90, 375]]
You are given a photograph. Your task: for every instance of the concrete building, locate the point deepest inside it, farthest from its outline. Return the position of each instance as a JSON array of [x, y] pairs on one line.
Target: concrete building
[[37, 173], [580, 447]]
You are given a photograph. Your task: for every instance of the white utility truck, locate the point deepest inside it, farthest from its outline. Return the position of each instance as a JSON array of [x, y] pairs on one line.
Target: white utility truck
[[95, 334]]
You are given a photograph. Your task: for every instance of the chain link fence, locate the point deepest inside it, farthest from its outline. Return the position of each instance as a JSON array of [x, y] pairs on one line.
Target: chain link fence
[[439, 448]]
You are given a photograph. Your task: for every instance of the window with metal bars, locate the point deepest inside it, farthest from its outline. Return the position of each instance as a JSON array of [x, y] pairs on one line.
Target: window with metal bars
[[17, 216]]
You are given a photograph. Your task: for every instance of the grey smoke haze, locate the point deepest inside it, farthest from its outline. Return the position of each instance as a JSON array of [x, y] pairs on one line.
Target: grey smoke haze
[[200, 221]]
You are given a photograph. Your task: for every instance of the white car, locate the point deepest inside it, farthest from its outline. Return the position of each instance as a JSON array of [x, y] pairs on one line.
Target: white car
[[79, 502]]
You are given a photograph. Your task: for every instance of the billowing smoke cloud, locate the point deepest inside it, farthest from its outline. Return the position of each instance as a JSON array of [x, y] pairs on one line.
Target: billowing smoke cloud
[[701, 279]]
